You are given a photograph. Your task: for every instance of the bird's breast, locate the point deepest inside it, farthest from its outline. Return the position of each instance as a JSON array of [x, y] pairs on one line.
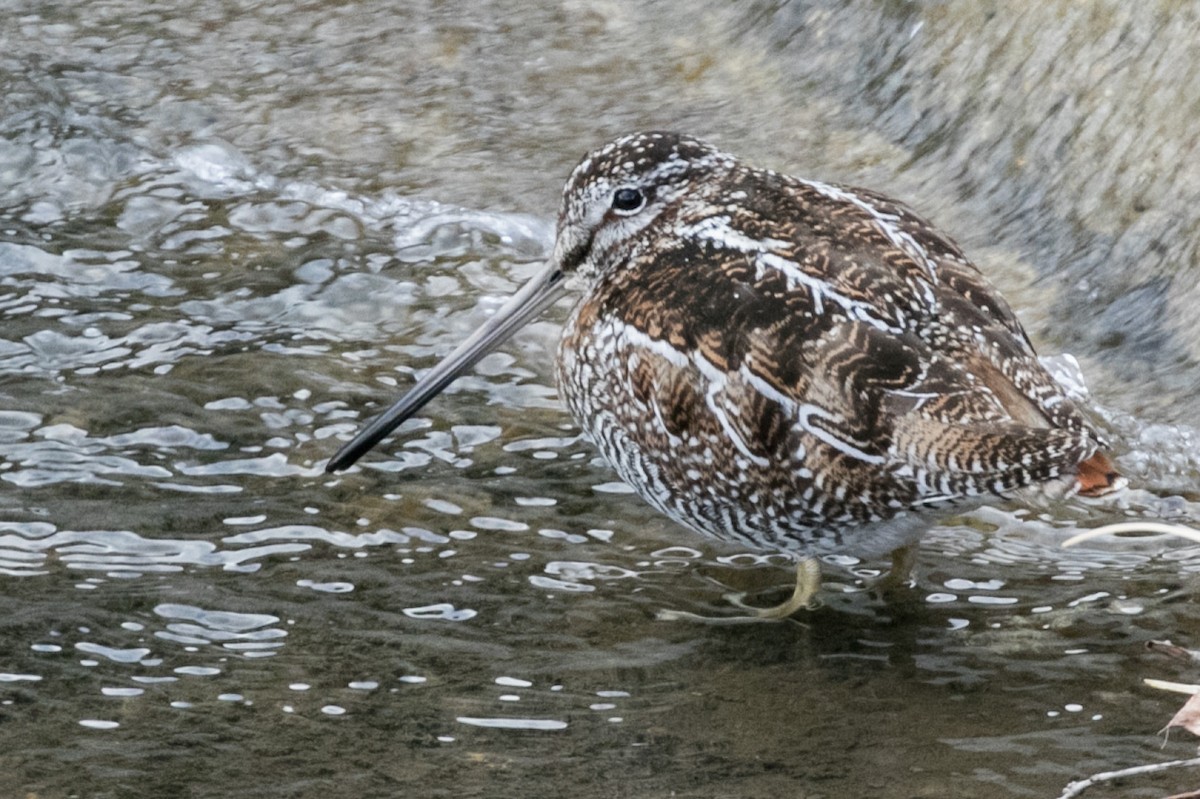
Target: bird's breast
[[712, 445]]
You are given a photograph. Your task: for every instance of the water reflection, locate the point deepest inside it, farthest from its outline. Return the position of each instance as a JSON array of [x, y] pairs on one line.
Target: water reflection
[[228, 238], [252, 635]]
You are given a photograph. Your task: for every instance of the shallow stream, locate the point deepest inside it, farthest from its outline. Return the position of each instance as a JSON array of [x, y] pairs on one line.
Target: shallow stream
[[231, 231]]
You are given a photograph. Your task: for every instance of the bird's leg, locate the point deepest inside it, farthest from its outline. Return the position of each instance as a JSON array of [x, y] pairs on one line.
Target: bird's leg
[[808, 583], [904, 559]]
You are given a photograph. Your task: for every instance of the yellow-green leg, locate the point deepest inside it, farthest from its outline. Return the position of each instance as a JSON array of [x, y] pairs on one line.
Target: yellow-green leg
[[904, 559], [808, 583]]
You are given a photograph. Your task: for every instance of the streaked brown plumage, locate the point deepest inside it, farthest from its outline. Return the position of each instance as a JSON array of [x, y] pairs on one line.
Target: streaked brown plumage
[[784, 363]]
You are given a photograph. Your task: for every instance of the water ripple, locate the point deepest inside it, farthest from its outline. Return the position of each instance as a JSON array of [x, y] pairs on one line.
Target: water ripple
[[66, 453], [79, 273], [25, 549], [115, 654], [303, 532], [512, 723], [444, 611], [251, 634]]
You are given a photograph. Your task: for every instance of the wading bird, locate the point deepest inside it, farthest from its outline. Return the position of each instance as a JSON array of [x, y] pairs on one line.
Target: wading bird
[[782, 363]]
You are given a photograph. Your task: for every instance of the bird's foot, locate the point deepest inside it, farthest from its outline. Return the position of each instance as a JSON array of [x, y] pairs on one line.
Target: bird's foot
[[899, 577], [808, 583]]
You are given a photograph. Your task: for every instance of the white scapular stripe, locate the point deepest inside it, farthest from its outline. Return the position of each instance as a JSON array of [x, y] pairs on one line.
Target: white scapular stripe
[[887, 224], [808, 412], [821, 291], [718, 379], [717, 229]]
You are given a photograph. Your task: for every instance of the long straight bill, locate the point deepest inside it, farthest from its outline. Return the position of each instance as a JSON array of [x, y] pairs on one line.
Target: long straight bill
[[533, 298]]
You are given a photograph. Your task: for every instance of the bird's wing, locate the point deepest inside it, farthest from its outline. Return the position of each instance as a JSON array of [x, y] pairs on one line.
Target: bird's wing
[[853, 335]]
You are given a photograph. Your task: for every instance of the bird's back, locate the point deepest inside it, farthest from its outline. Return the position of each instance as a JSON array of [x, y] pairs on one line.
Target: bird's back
[[774, 360]]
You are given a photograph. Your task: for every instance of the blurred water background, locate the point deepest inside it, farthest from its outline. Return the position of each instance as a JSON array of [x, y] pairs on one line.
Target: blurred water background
[[230, 231]]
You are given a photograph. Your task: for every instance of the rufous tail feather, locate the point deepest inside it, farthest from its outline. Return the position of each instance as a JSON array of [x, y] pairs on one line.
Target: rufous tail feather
[[1097, 476]]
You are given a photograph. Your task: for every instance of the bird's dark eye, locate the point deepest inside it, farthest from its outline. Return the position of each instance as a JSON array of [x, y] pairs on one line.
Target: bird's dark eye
[[627, 200]]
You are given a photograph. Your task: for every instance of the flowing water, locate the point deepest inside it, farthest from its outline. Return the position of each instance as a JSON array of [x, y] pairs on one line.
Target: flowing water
[[229, 232]]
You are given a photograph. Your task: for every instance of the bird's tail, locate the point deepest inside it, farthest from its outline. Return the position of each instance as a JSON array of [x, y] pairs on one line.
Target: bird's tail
[[1004, 458], [1097, 476]]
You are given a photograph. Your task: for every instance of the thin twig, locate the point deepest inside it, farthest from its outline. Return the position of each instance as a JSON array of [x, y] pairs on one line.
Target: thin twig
[[1174, 687], [1076, 788], [1181, 530]]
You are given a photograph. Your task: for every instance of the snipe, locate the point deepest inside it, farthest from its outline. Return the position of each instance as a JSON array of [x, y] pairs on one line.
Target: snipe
[[782, 363]]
